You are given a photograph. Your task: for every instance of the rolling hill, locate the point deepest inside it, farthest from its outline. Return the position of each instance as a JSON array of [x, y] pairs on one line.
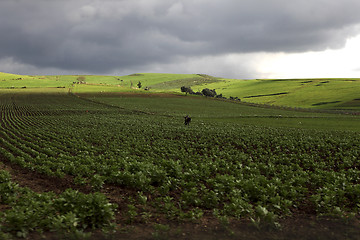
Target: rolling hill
[[333, 93]]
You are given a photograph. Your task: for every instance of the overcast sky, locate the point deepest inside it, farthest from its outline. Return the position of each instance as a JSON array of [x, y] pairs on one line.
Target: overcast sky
[[224, 38]]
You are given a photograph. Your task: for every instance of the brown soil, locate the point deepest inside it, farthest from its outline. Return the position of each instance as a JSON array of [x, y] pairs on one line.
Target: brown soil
[[40, 182], [300, 226]]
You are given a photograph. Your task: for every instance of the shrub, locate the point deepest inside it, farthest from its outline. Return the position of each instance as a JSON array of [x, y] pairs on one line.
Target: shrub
[[187, 90], [208, 92]]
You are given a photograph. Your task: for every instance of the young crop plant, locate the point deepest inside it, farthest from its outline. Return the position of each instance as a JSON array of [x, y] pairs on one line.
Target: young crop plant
[[69, 212], [8, 189]]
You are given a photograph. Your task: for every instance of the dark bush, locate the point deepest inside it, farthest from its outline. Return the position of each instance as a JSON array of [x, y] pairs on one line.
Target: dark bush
[[220, 96], [187, 90], [208, 92]]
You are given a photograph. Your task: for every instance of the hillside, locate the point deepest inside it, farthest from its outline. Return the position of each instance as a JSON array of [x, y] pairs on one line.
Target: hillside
[[332, 93], [304, 93]]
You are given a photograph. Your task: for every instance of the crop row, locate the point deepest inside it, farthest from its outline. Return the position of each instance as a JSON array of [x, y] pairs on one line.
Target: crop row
[[226, 168], [69, 212]]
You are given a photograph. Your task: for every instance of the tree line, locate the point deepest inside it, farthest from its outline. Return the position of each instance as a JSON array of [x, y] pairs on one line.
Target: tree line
[[206, 92]]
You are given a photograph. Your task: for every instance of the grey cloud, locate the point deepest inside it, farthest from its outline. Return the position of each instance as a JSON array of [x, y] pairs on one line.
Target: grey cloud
[[104, 36]]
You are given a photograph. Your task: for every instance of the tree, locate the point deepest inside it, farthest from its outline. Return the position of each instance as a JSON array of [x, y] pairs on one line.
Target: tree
[[187, 90], [208, 92], [139, 84]]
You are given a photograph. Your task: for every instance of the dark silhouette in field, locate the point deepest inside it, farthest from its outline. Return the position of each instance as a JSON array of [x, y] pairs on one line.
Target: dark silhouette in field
[[187, 120], [187, 90]]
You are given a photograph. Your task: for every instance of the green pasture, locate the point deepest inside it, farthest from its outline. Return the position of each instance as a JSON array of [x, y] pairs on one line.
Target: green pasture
[[21, 81], [85, 88], [334, 93], [154, 80], [304, 93]]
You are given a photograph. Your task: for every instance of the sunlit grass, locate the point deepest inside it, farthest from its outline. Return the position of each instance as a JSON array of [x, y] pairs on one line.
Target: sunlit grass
[[337, 93]]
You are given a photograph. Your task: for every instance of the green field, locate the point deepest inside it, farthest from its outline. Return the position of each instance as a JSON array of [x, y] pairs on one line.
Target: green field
[[131, 163], [333, 93]]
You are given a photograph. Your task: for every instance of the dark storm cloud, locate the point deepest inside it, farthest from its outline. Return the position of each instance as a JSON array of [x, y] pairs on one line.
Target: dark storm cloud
[[100, 36]]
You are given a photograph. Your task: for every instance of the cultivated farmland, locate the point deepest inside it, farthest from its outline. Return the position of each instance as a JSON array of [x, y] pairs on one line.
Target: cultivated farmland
[[130, 161]]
